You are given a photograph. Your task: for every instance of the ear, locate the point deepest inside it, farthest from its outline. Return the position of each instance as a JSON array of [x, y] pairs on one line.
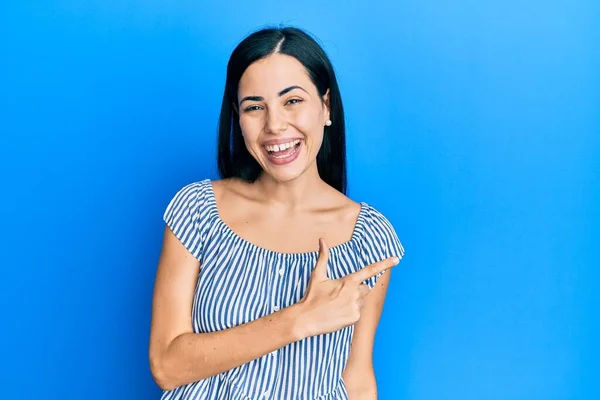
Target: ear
[[234, 106], [327, 105]]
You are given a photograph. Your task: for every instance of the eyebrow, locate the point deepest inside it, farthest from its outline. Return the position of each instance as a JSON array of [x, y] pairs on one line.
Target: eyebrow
[[281, 93]]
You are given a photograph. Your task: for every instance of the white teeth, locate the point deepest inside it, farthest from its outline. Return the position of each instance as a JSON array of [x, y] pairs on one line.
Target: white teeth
[[283, 146]]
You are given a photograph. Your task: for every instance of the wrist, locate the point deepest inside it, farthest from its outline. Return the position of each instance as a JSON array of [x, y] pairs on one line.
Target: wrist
[[298, 322]]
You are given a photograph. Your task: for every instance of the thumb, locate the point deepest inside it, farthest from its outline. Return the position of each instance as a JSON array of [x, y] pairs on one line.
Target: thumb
[[320, 270]]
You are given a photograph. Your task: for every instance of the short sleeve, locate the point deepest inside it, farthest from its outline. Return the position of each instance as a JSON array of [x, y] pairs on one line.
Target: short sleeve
[[380, 241], [183, 216]]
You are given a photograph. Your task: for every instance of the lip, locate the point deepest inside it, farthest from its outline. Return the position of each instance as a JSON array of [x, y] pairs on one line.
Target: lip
[[287, 160], [272, 142]]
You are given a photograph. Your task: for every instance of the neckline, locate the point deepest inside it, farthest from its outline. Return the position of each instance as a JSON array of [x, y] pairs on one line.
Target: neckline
[[353, 238]]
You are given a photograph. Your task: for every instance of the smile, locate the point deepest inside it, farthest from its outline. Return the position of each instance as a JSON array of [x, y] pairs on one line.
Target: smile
[[277, 149], [283, 153]]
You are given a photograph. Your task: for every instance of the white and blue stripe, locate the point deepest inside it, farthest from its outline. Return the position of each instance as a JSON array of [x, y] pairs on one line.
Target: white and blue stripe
[[240, 282]]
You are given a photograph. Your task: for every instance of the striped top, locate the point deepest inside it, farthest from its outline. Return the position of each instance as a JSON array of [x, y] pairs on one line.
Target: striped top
[[240, 282]]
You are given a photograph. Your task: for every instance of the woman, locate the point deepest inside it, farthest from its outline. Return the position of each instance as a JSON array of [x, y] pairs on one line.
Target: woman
[[249, 301]]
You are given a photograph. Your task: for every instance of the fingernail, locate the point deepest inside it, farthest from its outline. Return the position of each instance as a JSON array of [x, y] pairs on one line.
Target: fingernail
[[395, 260]]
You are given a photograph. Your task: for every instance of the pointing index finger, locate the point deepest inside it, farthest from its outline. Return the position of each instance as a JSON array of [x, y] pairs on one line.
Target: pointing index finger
[[372, 270]]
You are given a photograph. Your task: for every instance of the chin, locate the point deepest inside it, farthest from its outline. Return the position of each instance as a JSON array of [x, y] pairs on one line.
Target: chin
[[283, 174]]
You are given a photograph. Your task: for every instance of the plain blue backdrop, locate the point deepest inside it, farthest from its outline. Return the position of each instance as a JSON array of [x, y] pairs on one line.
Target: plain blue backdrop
[[473, 125]]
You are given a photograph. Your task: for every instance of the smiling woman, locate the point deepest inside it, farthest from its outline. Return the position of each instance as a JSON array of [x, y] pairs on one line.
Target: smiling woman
[[249, 301], [283, 150], [282, 126]]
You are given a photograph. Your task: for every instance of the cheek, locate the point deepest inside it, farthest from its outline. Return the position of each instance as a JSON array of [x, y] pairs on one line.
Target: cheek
[[250, 129], [309, 124]]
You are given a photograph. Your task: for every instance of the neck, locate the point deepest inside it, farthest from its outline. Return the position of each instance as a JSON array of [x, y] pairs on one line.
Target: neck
[[298, 193]]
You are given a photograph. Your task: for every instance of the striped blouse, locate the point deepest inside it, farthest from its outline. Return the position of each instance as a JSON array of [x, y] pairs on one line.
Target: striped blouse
[[239, 282]]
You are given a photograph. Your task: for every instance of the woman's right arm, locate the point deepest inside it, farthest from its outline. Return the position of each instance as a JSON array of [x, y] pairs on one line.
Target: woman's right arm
[[177, 355]]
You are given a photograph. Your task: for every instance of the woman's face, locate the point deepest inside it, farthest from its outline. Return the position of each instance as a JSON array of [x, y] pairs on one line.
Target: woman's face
[[282, 116]]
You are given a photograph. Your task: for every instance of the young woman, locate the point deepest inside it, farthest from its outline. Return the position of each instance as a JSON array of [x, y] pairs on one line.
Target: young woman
[[250, 302]]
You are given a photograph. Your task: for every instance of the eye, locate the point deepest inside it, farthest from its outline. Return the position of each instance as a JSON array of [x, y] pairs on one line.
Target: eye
[[293, 101], [252, 108]]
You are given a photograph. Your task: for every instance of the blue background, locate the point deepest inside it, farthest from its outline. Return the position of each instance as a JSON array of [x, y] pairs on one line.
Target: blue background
[[473, 125]]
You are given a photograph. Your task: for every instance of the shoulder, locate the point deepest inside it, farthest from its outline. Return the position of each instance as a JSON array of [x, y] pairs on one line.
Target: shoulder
[[342, 208], [189, 199], [190, 214], [378, 235], [229, 186], [194, 187], [375, 219], [376, 239], [192, 191]]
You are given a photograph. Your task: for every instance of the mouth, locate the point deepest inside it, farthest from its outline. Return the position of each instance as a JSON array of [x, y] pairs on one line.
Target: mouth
[[283, 153]]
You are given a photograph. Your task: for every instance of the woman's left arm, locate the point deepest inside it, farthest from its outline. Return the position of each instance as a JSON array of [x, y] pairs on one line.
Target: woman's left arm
[[359, 375]]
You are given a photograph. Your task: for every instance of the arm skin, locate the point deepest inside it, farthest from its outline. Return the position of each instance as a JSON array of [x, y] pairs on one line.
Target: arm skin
[[359, 375], [177, 355]]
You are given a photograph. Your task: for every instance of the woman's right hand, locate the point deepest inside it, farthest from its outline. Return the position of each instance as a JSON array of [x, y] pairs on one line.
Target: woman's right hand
[[332, 304]]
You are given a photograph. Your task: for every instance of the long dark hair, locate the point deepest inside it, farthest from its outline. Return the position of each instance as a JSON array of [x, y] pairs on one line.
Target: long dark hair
[[234, 160]]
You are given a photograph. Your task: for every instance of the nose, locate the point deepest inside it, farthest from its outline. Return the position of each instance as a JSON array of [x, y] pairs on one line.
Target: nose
[[275, 123]]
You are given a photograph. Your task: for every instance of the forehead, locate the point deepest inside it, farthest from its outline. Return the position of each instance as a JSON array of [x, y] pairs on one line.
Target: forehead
[[272, 74]]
